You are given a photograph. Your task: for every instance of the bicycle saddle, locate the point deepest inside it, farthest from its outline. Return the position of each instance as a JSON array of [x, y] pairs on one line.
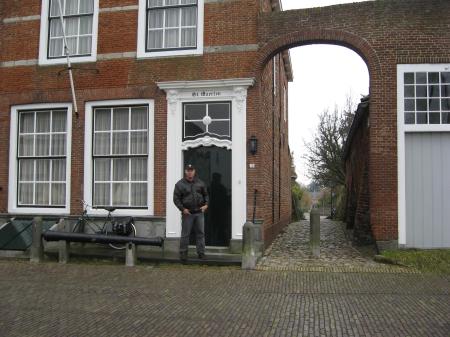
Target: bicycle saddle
[[109, 209]]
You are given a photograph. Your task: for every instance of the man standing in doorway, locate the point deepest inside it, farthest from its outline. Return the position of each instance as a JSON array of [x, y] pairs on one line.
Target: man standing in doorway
[[191, 198]]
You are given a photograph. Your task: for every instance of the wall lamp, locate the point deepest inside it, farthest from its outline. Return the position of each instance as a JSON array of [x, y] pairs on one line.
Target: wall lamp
[[253, 145]]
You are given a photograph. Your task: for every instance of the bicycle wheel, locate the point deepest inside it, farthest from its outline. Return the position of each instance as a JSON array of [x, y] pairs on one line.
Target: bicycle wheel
[[120, 246]]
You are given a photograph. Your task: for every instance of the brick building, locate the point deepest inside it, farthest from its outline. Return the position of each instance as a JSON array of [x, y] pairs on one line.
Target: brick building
[[157, 83], [161, 81]]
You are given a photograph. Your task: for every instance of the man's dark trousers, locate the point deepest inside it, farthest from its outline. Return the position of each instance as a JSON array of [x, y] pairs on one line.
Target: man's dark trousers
[[197, 223]]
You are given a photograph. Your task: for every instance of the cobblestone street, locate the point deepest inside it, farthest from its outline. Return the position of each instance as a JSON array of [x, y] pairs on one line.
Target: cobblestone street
[[291, 251], [50, 299]]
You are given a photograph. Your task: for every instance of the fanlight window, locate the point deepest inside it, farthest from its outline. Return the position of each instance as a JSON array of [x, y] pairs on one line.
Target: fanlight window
[[207, 119]]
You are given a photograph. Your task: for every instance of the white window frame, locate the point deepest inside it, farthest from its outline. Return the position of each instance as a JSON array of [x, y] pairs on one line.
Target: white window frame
[[402, 129], [13, 208], [88, 159], [141, 35], [44, 37]]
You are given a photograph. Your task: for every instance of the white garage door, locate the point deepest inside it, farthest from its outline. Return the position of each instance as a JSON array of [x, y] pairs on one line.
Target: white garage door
[[427, 168]]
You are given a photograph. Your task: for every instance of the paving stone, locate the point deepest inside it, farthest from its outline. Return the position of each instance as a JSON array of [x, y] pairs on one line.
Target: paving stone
[[291, 251], [85, 300]]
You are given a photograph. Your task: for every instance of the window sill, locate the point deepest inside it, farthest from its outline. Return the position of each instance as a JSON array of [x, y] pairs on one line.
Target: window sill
[[39, 210], [134, 212], [169, 53], [63, 60]]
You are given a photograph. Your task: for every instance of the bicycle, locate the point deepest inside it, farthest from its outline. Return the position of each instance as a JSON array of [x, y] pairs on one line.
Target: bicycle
[[112, 226]]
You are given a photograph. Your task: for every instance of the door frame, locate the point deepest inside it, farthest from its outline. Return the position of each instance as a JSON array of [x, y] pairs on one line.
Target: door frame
[[179, 92], [402, 129], [229, 224]]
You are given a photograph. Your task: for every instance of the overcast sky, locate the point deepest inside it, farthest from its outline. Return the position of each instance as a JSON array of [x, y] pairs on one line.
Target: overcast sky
[[323, 76]]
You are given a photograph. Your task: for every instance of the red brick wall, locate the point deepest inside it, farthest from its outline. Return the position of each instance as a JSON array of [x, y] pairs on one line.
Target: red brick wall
[[230, 22], [225, 23], [385, 33], [357, 212], [273, 177]]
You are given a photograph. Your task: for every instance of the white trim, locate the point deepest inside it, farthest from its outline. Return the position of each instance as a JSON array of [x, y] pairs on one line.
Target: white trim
[[88, 156], [179, 92], [12, 185], [179, 85], [206, 141], [141, 35], [43, 39], [402, 129]]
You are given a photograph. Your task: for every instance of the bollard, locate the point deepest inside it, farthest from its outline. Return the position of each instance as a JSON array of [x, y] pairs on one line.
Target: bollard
[[130, 255], [37, 248], [249, 257], [63, 251], [63, 245], [314, 232]]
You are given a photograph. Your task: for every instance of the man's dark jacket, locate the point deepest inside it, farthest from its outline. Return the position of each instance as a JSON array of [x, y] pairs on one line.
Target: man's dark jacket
[[190, 195]]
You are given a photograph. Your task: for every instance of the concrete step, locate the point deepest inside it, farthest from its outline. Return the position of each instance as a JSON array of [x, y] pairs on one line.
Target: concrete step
[[211, 249]]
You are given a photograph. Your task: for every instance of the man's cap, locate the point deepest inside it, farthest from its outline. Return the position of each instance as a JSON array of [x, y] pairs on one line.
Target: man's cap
[[189, 167]]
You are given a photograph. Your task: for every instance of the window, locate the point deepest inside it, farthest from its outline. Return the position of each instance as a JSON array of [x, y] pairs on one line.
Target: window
[[170, 27], [171, 24], [118, 162], [41, 165], [426, 98], [213, 119], [120, 156], [285, 103], [80, 27]]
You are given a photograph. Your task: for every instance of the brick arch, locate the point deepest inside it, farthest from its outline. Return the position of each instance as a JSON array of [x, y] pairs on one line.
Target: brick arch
[[322, 36]]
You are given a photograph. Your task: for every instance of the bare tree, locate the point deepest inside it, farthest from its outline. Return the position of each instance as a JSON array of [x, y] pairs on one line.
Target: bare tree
[[325, 152]]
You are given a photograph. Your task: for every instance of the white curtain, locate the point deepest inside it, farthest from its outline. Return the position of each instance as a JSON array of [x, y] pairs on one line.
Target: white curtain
[[102, 120], [120, 143], [155, 39], [56, 47], [139, 194], [155, 3], [139, 117], [42, 145], [26, 193], [121, 181], [42, 176], [58, 145], [71, 7], [86, 6], [138, 142], [26, 170], [58, 170], [102, 143], [43, 170], [120, 118], [58, 194], [54, 7], [78, 27], [42, 134], [102, 192], [43, 121]]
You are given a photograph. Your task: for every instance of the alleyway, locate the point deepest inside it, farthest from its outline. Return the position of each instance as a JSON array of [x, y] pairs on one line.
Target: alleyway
[[291, 251]]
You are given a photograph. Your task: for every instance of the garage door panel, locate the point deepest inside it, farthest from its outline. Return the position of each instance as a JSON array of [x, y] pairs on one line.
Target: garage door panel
[[446, 196], [427, 159]]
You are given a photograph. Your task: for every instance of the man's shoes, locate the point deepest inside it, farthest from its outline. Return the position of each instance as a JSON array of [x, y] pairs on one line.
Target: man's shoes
[[183, 257], [201, 256]]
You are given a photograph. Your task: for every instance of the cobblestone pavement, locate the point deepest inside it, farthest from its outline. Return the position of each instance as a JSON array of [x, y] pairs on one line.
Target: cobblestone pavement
[[291, 251], [183, 301]]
